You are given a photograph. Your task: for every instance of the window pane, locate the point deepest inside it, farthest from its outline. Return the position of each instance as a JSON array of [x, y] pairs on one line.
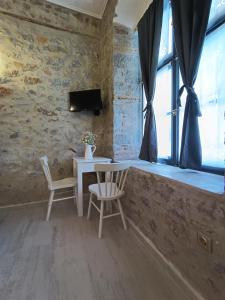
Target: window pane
[[210, 89], [181, 113], [166, 34], [162, 107], [217, 11], [144, 105]]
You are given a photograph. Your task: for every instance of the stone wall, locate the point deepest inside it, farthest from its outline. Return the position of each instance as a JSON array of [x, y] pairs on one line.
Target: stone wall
[[120, 127], [104, 123], [45, 13], [127, 102], [170, 214], [45, 52]]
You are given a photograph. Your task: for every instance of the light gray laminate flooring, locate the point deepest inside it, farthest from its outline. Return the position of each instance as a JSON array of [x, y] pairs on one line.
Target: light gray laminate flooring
[[64, 259]]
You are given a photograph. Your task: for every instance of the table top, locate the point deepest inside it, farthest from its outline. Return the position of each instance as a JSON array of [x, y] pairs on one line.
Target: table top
[[94, 160]]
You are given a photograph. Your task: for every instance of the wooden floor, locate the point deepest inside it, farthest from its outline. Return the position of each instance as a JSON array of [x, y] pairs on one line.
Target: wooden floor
[[64, 259]]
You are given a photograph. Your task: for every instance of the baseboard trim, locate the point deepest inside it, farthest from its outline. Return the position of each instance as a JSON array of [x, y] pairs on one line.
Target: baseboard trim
[[85, 196], [166, 261], [23, 204]]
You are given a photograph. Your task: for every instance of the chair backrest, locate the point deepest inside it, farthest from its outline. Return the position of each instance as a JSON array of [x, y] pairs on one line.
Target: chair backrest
[[115, 178], [44, 164]]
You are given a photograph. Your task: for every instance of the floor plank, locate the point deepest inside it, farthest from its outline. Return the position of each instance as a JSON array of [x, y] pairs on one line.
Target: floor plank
[[63, 259]]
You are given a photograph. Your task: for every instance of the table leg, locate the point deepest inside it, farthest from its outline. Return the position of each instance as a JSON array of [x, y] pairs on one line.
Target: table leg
[[75, 188], [80, 193]]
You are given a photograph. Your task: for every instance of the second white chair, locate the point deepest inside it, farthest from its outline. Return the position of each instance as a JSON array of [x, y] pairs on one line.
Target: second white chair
[[111, 189], [53, 186]]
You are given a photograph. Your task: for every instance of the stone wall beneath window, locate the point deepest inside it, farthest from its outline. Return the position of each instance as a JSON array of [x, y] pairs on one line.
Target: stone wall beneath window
[[45, 52], [170, 214]]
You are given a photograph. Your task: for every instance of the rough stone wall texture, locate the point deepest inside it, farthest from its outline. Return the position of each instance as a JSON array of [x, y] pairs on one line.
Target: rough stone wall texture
[[44, 12], [171, 213], [38, 67], [104, 124], [47, 51], [127, 102]]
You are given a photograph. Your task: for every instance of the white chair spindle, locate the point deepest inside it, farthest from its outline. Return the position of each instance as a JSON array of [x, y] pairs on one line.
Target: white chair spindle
[[106, 186], [111, 183], [124, 180], [99, 183], [121, 179], [116, 182]]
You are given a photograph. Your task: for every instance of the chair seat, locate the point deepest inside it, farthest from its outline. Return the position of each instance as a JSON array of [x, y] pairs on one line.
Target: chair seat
[[63, 183], [94, 189]]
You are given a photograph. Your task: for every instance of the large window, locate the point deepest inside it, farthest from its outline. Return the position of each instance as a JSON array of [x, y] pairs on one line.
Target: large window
[[162, 110], [209, 87]]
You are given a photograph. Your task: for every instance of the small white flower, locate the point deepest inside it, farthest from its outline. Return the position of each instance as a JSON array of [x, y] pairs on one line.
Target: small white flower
[[89, 138]]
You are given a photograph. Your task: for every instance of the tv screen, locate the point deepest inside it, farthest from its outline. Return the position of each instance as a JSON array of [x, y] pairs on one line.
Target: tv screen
[[86, 100]]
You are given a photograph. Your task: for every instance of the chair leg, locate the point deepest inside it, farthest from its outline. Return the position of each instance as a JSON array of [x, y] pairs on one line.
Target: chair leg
[[75, 196], [50, 205], [122, 214], [101, 220], [89, 207]]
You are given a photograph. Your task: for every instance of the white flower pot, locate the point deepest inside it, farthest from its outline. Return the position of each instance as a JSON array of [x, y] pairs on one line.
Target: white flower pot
[[89, 151]]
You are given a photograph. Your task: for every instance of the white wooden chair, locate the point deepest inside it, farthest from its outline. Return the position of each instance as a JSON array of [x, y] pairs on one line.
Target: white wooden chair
[[111, 189], [53, 186]]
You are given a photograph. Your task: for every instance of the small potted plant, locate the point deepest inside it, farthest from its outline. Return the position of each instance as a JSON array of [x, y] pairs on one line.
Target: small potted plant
[[89, 138]]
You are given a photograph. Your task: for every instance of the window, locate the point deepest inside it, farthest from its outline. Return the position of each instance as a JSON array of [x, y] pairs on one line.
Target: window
[[163, 101], [216, 12], [211, 91], [162, 108], [166, 42], [209, 87]]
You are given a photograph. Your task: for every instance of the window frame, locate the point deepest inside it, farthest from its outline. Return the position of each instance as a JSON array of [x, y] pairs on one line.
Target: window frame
[[173, 60]]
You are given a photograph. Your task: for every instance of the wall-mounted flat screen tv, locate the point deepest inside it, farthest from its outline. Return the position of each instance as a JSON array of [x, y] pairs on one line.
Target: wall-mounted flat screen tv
[[86, 100]]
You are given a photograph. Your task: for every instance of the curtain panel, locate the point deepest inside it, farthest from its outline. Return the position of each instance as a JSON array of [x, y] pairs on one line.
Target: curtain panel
[[190, 19], [149, 33]]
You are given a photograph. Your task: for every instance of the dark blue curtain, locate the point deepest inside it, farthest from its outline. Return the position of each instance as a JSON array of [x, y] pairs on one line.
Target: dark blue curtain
[[149, 32], [190, 19]]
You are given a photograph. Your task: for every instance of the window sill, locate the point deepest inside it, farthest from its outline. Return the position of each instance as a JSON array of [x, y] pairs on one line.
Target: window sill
[[205, 181]]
